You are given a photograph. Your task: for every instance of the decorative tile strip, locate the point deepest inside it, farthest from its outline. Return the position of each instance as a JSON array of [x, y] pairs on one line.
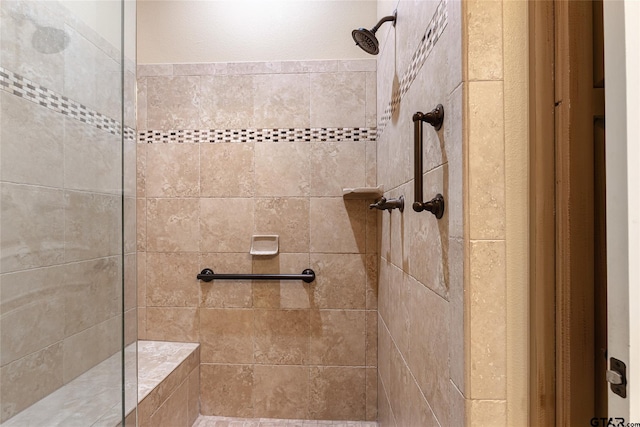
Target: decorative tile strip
[[17, 85], [431, 35], [257, 135]]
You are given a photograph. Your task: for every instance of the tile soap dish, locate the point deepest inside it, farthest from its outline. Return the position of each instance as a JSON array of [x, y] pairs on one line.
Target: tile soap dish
[[363, 192], [264, 244]]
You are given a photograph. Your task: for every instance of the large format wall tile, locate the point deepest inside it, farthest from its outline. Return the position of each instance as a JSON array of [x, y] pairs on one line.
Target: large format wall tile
[[335, 166], [173, 170], [222, 108], [281, 391], [338, 99], [173, 225], [282, 169], [173, 103], [227, 170], [226, 225], [280, 101]]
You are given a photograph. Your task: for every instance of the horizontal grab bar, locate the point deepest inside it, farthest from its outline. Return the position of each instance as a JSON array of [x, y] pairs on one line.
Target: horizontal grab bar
[[207, 275]]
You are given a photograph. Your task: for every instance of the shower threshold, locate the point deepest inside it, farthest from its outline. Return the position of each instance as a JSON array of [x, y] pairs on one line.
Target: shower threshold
[[205, 421]]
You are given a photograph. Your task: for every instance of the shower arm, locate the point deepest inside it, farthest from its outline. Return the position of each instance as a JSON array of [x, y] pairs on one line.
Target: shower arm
[[383, 20]]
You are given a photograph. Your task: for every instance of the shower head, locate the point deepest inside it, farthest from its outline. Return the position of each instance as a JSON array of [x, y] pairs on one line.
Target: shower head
[[367, 40]]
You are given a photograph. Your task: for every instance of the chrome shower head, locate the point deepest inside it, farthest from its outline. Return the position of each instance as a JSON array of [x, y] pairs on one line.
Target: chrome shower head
[[367, 40]]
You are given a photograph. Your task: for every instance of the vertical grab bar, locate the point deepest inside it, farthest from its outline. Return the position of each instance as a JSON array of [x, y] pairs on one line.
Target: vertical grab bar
[[434, 118]]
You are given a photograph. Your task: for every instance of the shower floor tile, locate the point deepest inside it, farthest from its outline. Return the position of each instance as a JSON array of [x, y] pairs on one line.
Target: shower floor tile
[[204, 421]]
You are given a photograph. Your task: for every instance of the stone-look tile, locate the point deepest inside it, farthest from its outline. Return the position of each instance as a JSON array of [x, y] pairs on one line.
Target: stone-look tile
[[337, 393], [282, 294], [129, 225], [400, 286], [173, 225], [172, 170], [484, 40], [33, 302], [86, 349], [174, 411], [90, 219], [346, 110], [428, 343], [413, 18], [170, 280], [384, 354], [487, 309], [345, 233], [141, 281], [384, 289], [399, 231], [371, 356], [371, 99], [280, 101], [29, 379], [226, 335], [486, 161], [93, 293], [457, 416], [222, 108], [226, 225], [226, 170], [32, 223], [288, 217], [226, 293], [92, 158], [340, 281], [203, 69], [407, 403], [336, 165], [385, 415], [457, 342], [81, 56], [282, 169], [154, 70], [338, 337], [258, 67], [226, 389], [173, 324], [141, 224], [130, 326], [193, 409], [281, 337], [281, 391], [142, 323], [31, 140], [173, 103], [371, 389], [453, 136], [371, 261], [370, 163], [487, 413], [141, 103], [428, 240], [141, 170]]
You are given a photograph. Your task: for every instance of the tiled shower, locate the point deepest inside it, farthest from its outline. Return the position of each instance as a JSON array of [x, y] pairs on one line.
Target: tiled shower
[[121, 182]]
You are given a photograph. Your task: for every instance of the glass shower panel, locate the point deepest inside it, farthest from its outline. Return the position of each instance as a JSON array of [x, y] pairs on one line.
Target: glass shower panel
[[65, 219]]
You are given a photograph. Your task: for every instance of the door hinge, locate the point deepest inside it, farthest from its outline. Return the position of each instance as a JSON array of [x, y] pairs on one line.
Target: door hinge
[[617, 377]]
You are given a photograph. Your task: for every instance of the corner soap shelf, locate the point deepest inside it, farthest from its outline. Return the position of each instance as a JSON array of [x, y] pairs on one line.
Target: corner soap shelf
[[363, 192]]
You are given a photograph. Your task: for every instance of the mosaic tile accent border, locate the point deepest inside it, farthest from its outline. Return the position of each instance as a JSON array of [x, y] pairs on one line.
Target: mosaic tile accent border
[[431, 35], [258, 135], [22, 87]]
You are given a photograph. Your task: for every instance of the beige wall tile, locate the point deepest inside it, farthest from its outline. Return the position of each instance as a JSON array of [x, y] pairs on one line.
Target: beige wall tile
[[226, 389], [371, 99], [32, 227], [222, 108], [486, 161], [170, 280], [226, 225], [384, 290], [288, 217], [345, 233], [281, 294], [400, 287], [141, 284], [194, 396], [346, 110], [371, 410], [340, 281], [371, 261], [29, 379], [485, 413], [384, 354], [281, 101], [457, 413], [173, 103], [142, 323], [281, 337], [154, 70], [337, 165], [172, 170], [174, 411], [337, 393], [281, 391], [385, 415], [371, 152], [173, 324], [428, 343], [226, 170], [173, 225], [141, 224], [141, 103], [484, 36], [226, 293], [457, 344], [129, 225], [372, 338], [141, 169], [487, 309], [338, 337], [206, 69], [227, 335], [282, 169]]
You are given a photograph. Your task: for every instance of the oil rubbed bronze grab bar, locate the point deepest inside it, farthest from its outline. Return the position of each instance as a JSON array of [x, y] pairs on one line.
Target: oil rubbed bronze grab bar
[[207, 275], [434, 118]]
